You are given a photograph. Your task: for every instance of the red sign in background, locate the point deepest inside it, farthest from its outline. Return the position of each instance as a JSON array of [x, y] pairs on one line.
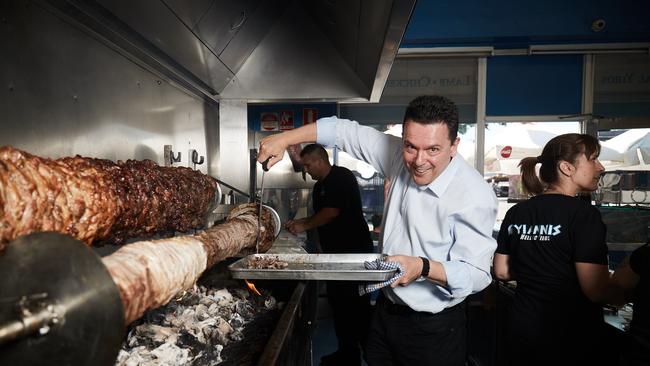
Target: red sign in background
[[506, 152], [286, 120], [269, 121], [309, 115]]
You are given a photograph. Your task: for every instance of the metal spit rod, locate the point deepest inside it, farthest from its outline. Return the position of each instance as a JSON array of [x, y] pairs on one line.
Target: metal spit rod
[[57, 289], [29, 322]]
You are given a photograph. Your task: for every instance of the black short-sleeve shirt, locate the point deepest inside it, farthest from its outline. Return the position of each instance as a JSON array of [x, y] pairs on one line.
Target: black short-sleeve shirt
[[545, 236], [348, 232]]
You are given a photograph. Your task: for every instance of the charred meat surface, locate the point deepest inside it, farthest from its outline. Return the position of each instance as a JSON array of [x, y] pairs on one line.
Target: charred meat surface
[[97, 200]]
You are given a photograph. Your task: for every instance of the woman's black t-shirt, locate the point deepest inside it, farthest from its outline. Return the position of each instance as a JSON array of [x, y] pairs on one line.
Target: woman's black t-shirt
[[545, 236]]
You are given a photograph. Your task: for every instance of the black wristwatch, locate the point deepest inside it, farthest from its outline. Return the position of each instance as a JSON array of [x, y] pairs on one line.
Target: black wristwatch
[[425, 267]]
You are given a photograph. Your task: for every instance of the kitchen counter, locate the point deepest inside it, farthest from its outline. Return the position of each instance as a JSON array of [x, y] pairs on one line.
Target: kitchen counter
[[287, 243]]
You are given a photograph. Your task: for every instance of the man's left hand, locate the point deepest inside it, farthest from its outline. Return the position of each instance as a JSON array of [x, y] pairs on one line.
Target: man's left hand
[[412, 267]]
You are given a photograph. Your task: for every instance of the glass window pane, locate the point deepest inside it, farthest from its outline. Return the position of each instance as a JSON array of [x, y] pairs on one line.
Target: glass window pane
[[625, 154], [622, 85], [505, 145]]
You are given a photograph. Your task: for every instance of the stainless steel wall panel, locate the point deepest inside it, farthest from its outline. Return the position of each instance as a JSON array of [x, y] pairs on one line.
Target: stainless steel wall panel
[[251, 33], [154, 21], [252, 49], [212, 134], [311, 69], [398, 19], [339, 21], [190, 12], [64, 93], [375, 15], [234, 159], [326, 51], [223, 20]]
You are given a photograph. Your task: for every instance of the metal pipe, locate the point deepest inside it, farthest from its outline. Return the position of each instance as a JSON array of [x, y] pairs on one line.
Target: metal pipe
[[231, 187]]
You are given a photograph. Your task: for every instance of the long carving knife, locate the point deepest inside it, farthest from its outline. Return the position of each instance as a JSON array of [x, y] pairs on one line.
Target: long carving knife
[[265, 168]]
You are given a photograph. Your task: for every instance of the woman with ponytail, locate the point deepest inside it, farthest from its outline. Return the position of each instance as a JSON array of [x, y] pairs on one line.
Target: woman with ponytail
[[554, 246]]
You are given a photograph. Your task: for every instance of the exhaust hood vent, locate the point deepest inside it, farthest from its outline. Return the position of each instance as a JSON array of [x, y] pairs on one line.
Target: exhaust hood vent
[[256, 50]]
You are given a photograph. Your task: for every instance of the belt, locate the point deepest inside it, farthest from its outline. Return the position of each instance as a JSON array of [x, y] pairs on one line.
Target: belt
[[398, 309]]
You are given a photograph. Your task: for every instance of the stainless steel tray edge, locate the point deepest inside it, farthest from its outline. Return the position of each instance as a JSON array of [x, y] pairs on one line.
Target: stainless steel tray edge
[[333, 267]]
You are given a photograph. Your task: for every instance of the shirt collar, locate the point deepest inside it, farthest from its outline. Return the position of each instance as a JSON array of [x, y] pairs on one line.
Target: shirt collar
[[440, 184]]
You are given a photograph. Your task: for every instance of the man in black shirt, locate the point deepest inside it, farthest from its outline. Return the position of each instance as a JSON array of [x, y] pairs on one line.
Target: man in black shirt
[[341, 228]]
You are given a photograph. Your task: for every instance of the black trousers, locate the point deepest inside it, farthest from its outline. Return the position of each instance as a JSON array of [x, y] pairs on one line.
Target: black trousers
[[401, 336], [351, 315]]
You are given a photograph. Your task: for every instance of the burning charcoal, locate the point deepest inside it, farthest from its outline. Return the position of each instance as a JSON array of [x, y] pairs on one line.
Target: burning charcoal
[[245, 309], [206, 301], [191, 298], [170, 354], [213, 310], [225, 311], [193, 330], [216, 354], [242, 293], [237, 321], [237, 335], [156, 333], [137, 356], [224, 295], [201, 312], [188, 340], [223, 330], [270, 303], [131, 340], [206, 329]]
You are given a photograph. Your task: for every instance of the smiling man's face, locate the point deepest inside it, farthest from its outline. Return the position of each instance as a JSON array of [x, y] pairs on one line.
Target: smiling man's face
[[427, 150]]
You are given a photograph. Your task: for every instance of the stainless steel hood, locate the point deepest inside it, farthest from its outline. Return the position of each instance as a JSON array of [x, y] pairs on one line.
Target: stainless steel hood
[[254, 50]]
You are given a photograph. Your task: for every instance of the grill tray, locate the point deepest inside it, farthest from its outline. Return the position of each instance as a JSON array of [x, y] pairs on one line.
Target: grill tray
[[335, 267]]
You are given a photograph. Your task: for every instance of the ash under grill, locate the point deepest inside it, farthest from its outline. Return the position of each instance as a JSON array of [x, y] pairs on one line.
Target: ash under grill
[[220, 322]]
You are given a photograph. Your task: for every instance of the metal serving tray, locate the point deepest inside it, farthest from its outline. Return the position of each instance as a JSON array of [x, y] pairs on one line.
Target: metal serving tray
[[337, 267]]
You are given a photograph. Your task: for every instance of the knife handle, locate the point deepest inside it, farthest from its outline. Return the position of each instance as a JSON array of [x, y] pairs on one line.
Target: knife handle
[[265, 164]]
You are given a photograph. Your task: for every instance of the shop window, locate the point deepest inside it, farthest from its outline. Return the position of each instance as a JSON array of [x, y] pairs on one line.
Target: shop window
[[505, 145]]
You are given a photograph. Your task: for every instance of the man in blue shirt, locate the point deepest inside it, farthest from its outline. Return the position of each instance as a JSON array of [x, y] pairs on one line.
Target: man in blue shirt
[[438, 224]]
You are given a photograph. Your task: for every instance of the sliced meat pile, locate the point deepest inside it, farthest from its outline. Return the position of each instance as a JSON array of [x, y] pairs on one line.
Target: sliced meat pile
[[97, 200], [266, 263]]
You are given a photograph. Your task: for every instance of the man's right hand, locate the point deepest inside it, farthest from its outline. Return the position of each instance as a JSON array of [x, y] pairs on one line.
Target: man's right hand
[[272, 146]]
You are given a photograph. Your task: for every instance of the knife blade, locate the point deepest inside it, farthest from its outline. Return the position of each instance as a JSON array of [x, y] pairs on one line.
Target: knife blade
[[265, 168]]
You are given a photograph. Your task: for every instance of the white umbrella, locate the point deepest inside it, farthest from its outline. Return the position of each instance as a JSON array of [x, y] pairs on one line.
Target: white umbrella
[[505, 146], [629, 150]]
